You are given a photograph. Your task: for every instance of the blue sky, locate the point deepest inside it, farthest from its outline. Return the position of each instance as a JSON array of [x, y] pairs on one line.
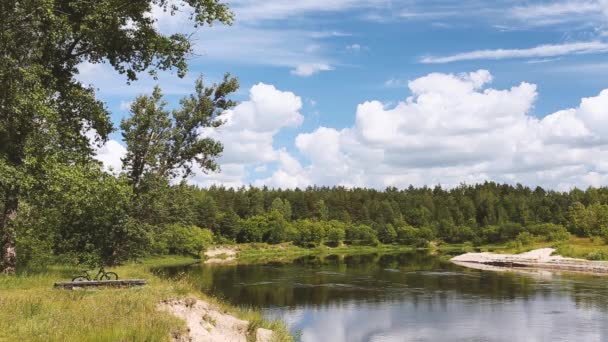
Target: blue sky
[[335, 55]]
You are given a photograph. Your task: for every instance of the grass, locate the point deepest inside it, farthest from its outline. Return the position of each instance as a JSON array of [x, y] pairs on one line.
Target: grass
[[31, 310], [261, 252]]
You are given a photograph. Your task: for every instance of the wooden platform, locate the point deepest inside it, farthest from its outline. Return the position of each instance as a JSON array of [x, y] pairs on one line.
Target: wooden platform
[[69, 285]]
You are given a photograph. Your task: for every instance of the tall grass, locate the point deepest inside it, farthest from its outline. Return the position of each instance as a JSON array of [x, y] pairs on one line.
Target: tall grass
[[31, 310]]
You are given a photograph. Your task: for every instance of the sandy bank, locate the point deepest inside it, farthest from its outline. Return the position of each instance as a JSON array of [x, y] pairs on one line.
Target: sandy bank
[[220, 255], [208, 323], [539, 258]]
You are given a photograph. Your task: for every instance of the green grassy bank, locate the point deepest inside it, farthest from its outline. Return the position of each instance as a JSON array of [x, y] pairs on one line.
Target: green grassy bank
[[31, 310], [575, 247]]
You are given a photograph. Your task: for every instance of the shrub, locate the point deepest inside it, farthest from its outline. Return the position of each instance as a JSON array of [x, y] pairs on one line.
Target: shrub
[[335, 233], [419, 237], [524, 238], [187, 240], [309, 233], [387, 233], [361, 235], [597, 255], [252, 229]]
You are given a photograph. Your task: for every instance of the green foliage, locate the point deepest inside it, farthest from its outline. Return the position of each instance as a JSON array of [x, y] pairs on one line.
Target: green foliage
[[252, 229], [185, 240], [167, 144], [229, 225], [387, 234], [361, 235], [336, 233], [549, 232], [597, 255], [82, 215], [309, 233], [47, 115], [281, 206]]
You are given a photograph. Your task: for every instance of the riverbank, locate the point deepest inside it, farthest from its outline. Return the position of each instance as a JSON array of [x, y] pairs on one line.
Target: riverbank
[[543, 258], [575, 247], [287, 252], [31, 310]]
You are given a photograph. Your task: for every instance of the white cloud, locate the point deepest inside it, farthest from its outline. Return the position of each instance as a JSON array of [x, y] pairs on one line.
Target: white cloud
[[556, 10], [396, 83], [309, 69], [125, 105], [110, 155], [248, 10], [353, 47], [577, 48], [455, 129], [248, 134]]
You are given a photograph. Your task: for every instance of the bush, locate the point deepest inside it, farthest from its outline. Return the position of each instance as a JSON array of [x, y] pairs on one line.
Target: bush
[[309, 233], [419, 237], [387, 234], [252, 229], [597, 255], [524, 238], [335, 233], [509, 231], [186, 240], [361, 235]]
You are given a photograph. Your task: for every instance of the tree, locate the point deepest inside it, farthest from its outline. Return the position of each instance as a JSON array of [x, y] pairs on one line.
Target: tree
[[84, 216], [321, 210], [281, 206], [229, 225], [44, 111], [166, 144], [387, 233]]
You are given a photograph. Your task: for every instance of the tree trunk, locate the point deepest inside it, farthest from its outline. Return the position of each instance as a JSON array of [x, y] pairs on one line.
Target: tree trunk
[[7, 228]]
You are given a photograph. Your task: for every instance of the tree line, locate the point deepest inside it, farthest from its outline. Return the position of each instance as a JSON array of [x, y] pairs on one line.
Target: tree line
[[479, 214]]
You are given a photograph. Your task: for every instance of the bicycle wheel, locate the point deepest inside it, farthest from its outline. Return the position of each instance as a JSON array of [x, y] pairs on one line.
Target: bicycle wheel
[[109, 276], [80, 278]]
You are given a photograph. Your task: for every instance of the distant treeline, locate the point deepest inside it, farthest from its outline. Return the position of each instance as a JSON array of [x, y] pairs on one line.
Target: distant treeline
[[483, 213], [88, 216]]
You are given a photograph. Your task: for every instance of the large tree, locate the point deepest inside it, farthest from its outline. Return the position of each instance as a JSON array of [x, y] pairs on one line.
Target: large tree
[[168, 144], [44, 110]]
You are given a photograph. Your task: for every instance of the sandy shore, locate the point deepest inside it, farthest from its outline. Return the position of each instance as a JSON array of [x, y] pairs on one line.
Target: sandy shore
[[539, 258], [220, 255], [207, 323]]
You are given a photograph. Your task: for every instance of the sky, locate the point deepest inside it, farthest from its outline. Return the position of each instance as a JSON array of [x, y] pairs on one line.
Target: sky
[[379, 93]]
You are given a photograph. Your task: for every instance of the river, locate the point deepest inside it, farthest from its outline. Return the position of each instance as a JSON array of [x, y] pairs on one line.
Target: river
[[412, 296]]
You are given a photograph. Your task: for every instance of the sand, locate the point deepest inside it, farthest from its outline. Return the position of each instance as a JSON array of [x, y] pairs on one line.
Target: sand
[[213, 255], [540, 258], [207, 323]]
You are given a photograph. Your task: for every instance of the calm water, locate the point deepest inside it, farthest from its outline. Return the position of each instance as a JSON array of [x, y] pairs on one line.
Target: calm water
[[412, 297]]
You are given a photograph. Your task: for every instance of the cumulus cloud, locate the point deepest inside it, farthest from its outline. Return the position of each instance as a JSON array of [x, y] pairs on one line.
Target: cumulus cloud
[[110, 154], [309, 69], [453, 129], [248, 133], [577, 48]]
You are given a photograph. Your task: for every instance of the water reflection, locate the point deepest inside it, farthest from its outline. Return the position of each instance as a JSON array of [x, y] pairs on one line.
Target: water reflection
[[412, 297]]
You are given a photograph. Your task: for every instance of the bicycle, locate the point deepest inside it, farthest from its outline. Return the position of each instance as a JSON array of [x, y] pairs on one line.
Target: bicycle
[[101, 275]]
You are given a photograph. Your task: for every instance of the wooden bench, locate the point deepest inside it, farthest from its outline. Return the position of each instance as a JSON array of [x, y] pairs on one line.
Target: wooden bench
[[69, 285]]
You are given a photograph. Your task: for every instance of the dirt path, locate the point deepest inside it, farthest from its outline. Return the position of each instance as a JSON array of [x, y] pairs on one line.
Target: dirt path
[[207, 323]]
